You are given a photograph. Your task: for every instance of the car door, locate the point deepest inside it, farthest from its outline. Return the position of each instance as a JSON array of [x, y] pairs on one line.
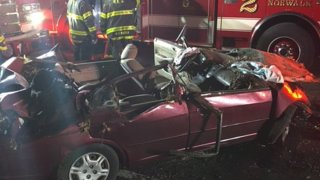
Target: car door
[[158, 130], [32, 160], [244, 112]]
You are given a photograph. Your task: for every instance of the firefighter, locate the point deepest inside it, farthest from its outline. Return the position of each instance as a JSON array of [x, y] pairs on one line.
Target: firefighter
[[5, 50], [82, 28], [119, 22]]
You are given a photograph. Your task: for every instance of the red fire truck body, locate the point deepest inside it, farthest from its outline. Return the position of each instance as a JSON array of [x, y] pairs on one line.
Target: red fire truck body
[[21, 22], [288, 27]]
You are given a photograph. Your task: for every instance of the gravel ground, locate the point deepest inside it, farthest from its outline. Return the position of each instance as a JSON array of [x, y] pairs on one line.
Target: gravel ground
[[298, 159]]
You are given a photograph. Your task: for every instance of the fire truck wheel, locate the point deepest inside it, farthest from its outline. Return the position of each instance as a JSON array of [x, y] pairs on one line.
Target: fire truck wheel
[[289, 40]]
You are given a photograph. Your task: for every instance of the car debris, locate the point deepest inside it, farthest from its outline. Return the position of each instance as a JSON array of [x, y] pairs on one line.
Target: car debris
[[292, 71]]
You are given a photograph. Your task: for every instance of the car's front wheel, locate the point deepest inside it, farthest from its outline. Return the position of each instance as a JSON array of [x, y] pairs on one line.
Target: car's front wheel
[[95, 161]]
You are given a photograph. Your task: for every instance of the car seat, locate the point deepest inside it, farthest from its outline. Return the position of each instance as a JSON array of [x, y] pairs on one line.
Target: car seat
[[129, 64], [146, 83]]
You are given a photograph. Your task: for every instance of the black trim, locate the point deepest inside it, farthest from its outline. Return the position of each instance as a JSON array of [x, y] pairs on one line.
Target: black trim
[[215, 18]]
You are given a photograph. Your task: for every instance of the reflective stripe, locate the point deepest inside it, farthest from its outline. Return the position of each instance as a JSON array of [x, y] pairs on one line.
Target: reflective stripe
[[119, 13], [236, 24], [158, 20], [3, 48], [76, 41], [123, 38], [103, 15], [138, 3], [78, 33], [200, 22], [2, 39], [87, 14], [91, 29], [116, 13], [121, 28], [74, 16]]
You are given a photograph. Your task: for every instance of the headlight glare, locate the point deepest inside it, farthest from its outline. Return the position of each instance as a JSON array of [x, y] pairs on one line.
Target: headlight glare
[[35, 18], [30, 7]]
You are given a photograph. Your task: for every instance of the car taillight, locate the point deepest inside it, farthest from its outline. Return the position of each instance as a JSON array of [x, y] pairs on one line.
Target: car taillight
[[297, 93]]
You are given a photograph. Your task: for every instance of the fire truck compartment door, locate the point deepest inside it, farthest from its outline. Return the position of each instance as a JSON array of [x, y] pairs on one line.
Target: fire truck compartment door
[[165, 19], [9, 21]]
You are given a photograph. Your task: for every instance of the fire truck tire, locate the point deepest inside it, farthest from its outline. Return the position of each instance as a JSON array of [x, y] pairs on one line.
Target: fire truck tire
[[290, 40]]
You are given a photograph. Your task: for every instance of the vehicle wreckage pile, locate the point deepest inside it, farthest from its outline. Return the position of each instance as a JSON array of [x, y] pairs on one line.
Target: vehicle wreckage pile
[[46, 99]]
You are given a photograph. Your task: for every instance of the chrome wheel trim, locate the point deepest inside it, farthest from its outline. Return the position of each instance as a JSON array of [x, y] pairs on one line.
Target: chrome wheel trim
[[91, 165], [285, 46]]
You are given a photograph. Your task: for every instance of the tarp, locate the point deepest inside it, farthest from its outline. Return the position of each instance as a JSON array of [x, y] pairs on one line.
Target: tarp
[[267, 73], [291, 70]]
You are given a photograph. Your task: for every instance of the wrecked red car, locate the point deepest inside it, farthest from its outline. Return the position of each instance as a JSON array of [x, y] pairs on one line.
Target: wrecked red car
[[59, 128]]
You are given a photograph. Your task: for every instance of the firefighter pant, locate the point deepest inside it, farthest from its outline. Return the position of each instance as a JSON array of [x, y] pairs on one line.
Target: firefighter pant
[[116, 47], [83, 51]]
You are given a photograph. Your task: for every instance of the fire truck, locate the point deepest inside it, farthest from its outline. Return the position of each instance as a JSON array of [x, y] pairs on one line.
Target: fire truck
[[20, 23], [290, 28]]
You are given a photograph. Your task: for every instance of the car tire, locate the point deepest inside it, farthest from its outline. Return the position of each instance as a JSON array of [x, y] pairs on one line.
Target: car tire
[[101, 161], [297, 38]]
